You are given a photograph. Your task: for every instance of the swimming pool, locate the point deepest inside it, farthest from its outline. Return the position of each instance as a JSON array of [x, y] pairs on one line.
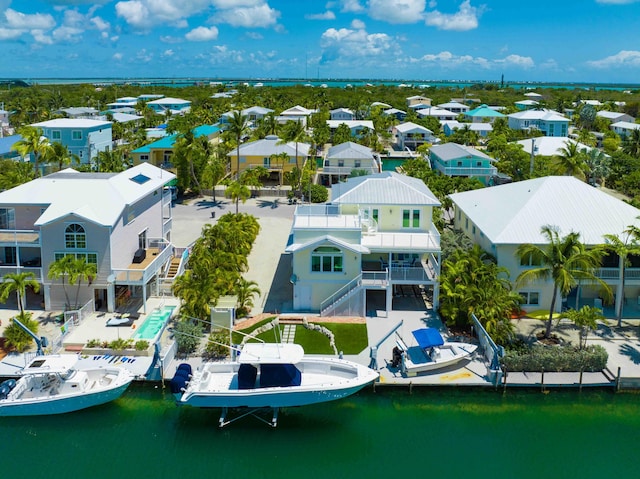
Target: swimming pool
[[154, 323]]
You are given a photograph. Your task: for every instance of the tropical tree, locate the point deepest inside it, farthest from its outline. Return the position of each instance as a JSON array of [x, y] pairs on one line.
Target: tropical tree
[[238, 127], [245, 291], [214, 171], [586, 137], [294, 131], [61, 156], [238, 191], [33, 143], [598, 165], [18, 283], [571, 161], [110, 161], [631, 143], [15, 337], [81, 271], [565, 261], [14, 173], [586, 319], [623, 247], [342, 134]]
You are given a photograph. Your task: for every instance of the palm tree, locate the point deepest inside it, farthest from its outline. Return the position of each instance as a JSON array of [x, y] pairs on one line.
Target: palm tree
[[623, 248], [61, 268], [586, 137], [565, 261], [110, 161], [237, 191], [81, 271], [586, 319], [238, 126], [598, 165], [631, 143], [245, 291], [33, 143], [18, 282], [61, 156], [572, 161], [295, 131]]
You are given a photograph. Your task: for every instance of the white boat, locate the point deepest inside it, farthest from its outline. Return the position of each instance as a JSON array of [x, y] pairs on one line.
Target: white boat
[[269, 375], [431, 353], [53, 385]]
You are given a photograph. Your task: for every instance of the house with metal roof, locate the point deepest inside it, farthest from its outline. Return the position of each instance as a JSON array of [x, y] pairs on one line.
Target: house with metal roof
[[253, 114], [375, 238], [483, 114], [418, 99], [526, 104], [438, 113], [356, 127], [342, 114], [263, 153], [411, 135], [84, 138], [549, 122], [121, 222], [454, 107], [624, 128], [398, 114], [177, 106], [482, 129], [501, 218], [159, 152], [295, 113], [452, 159], [342, 159], [615, 116]]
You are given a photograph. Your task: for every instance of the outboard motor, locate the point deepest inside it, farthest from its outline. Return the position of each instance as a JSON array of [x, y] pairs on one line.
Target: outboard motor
[[180, 378], [6, 387]]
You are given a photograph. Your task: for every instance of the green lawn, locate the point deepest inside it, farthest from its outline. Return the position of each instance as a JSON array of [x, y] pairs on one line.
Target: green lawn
[[350, 338]]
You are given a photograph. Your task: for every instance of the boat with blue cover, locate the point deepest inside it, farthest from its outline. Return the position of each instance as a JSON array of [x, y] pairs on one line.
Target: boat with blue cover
[[269, 375]]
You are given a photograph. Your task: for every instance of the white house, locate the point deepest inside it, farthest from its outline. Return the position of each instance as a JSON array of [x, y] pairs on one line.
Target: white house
[[177, 106], [355, 126], [615, 116], [418, 99], [375, 235], [121, 222], [342, 114], [501, 218], [624, 128], [454, 107], [411, 135], [296, 113], [342, 159], [438, 113]]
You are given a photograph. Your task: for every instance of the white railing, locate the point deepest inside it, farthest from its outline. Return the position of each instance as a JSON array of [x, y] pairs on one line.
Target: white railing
[[410, 274], [346, 170], [72, 319], [376, 278], [25, 237], [630, 274], [142, 276], [331, 302], [15, 269], [317, 210], [468, 171], [402, 241]]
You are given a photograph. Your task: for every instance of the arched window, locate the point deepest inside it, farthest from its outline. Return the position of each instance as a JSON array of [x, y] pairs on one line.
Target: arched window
[[75, 237], [326, 259]]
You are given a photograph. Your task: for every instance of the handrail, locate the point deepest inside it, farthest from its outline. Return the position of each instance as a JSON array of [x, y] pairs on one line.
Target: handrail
[[346, 289]]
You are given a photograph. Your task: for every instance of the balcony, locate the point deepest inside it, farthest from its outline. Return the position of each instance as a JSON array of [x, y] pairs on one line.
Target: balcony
[[19, 238], [385, 241], [15, 269], [468, 171], [156, 255], [611, 275]]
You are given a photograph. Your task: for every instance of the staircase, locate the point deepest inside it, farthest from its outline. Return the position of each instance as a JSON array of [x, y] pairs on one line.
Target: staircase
[[173, 268]]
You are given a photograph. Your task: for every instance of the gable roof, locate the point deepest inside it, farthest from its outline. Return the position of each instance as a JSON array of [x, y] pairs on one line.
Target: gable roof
[[354, 247], [514, 213], [484, 111], [350, 150], [72, 123], [550, 145], [271, 145], [169, 101], [87, 195], [386, 188], [167, 142], [544, 115], [453, 104], [297, 111], [411, 127], [435, 111], [351, 124], [453, 151]]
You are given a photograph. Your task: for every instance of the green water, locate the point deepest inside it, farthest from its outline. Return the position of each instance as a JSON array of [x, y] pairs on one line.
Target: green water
[[432, 433]]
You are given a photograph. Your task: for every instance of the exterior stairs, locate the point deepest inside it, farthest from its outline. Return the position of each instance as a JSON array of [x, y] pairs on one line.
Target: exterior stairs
[[173, 268]]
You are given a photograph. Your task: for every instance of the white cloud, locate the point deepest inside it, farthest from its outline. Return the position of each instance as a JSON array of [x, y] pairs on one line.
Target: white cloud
[[202, 34], [328, 15], [100, 24], [170, 39], [624, 58], [117, 56], [254, 35], [466, 18], [9, 33], [223, 4], [351, 6], [349, 44], [17, 20], [168, 53], [134, 12], [446, 59], [249, 17], [357, 24], [40, 37], [517, 61], [397, 11], [144, 13], [144, 56], [67, 34]]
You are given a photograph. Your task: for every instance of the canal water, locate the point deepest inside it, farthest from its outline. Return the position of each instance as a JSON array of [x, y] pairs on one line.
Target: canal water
[[389, 433]]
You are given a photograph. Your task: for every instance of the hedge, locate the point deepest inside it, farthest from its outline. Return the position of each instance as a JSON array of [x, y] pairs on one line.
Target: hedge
[[556, 359]]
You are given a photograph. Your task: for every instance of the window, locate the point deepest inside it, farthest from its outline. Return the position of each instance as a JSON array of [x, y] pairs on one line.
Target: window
[[340, 163], [411, 218], [266, 162], [55, 135], [459, 163], [144, 157], [142, 240], [326, 259], [76, 135], [357, 163], [374, 214], [530, 298], [478, 164], [473, 230], [91, 258], [7, 219], [75, 237], [530, 261]]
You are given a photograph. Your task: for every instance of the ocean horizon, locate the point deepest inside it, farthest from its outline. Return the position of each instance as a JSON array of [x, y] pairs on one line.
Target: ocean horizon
[[317, 82]]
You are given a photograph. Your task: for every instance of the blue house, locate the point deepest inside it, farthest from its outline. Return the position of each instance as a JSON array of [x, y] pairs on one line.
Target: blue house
[[484, 114], [6, 144], [174, 105], [84, 138], [452, 159], [549, 122]]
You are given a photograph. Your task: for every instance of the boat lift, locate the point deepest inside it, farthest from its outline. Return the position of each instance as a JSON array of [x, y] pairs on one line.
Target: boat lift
[[41, 342], [373, 353]]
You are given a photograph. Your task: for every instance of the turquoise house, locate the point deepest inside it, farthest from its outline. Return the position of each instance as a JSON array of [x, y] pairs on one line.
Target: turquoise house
[[483, 113], [452, 159]]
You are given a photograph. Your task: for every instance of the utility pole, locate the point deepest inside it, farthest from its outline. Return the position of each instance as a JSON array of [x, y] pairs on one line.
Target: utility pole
[[533, 154]]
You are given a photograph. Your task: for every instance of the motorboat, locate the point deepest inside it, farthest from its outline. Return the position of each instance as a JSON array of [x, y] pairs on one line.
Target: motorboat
[[52, 384], [431, 352], [269, 375]]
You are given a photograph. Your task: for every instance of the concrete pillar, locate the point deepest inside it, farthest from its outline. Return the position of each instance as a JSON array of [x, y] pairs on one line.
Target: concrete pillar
[[111, 297]]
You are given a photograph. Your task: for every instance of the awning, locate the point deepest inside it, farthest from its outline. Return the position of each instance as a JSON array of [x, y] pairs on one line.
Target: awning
[[428, 337]]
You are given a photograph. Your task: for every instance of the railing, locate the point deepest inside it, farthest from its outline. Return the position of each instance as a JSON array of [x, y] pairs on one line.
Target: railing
[[346, 170], [142, 276], [468, 171], [13, 237], [375, 278], [492, 352], [72, 319], [317, 210], [166, 226], [402, 240], [15, 269], [343, 292], [614, 273], [410, 274]]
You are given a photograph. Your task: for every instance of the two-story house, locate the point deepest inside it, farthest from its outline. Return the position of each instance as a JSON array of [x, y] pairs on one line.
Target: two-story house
[[501, 218], [295, 113], [342, 114], [549, 122], [252, 114], [121, 222], [261, 153], [483, 114], [454, 107], [177, 106], [356, 127], [84, 138], [411, 135], [374, 238], [624, 128], [342, 159], [438, 113], [418, 100], [452, 159]]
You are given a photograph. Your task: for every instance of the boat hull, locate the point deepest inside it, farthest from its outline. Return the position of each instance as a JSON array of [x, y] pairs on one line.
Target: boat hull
[[417, 361], [323, 380], [64, 403]]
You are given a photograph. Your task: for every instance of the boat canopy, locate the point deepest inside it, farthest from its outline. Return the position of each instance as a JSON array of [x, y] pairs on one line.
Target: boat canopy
[[51, 364], [428, 337], [273, 353]]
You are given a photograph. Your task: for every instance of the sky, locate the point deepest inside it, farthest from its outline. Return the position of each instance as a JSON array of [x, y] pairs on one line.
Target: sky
[[549, 40]]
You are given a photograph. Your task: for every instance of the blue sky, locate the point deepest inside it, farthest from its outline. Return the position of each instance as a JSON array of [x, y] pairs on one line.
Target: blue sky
[[559, 40]]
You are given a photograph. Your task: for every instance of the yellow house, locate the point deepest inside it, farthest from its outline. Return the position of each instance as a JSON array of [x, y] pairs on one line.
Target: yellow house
[[259, 153]]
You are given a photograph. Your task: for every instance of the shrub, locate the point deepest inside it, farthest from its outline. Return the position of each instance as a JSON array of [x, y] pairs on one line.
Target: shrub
[[93, 343], [556, 359], [141, 345], [187, 336], [17, 338], [120, 344], [216, 345], [319, 193]]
